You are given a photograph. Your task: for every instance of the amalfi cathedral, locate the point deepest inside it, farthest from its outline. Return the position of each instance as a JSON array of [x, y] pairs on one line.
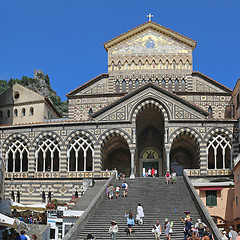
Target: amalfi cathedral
[[150, 110]]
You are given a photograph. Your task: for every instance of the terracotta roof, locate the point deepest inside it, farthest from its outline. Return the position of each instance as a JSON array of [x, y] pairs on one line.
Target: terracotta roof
[[196, 73], [99, 77], [153, 24], [121, 99]]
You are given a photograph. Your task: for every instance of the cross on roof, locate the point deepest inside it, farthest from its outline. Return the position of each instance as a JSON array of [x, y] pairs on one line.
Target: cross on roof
[[149, 17]]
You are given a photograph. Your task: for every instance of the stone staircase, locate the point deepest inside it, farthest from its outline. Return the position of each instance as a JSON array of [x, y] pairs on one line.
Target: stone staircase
[[158, 200]]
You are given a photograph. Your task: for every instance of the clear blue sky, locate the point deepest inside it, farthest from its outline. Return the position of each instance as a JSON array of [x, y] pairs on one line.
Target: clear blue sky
[[64, 38]]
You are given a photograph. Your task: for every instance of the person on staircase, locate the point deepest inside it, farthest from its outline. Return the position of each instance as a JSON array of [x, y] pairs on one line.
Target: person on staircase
[[200, 226], [174, 176], [167, 229], [140, 214], [117, 191], [130, 221], [111, 190], [232, 234], [125, 189], [187, 228], [153, 172], [157, 230], [113, 230], [149, 172], [167, 176]]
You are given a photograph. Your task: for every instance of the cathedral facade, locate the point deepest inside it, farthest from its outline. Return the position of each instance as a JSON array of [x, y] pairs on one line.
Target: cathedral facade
[[150, 110]]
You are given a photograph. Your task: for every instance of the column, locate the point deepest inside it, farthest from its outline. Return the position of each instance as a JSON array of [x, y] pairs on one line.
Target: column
[[132, 165], [168, 159], [215, 157]]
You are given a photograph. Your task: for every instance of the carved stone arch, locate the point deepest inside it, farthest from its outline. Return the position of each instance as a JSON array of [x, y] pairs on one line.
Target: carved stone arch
[[114, 132], [22, 136], [16, 152], [149, 103], [188, 131], [218, 145], [215, 130], [48, 133], [86, 133], [116, 145], [185, 149]]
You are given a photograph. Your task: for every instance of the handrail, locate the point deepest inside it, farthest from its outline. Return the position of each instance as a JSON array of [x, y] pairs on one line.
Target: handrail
[[81, 222], [202, 208]]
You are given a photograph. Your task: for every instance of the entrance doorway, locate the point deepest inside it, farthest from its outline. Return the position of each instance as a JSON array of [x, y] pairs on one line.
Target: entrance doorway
[[150, 139], [151, 165]]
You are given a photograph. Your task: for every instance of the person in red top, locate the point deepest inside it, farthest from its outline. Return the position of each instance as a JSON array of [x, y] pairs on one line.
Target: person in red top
[[167, 176], [153, 172]]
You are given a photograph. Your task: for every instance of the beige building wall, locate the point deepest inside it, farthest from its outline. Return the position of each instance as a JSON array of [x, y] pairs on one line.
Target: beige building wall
[[236, 203], [20, 105], [224, 203]]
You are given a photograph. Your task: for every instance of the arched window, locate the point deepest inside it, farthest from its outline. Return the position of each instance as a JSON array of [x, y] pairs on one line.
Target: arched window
[[219, 151], [117, 86], [112, 66], [123, 86], [49, 196], [163, 83], [8, 113], [136, 83], [23, 112], [80, 154], [170, 85], [174, 65], [76, 194], [210, 112], [48, 154], [13, 196], [176, 85], [157, 82], [31, 111], [17, 156], [43, 197], [18, 196], [143, 82], [90, 112], [183, 85], [15, 112], [130, 86]]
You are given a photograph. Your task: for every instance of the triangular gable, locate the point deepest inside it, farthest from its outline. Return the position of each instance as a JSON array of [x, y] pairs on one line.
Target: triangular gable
[[7, 97], [154, 26], [176, 107], [211, 84], [87, 84]]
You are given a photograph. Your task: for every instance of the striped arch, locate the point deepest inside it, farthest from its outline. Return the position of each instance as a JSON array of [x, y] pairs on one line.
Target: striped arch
[[85, 133], [10, 138], [146, 104], [114, 132], [185, 131], [215, 130], [45, 134]]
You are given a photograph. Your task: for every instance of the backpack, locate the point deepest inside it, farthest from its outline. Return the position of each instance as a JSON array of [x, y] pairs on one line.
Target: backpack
[[200, 226]]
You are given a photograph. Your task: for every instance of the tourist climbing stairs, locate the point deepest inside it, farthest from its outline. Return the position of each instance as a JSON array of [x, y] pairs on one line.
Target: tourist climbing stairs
[[159, 201]]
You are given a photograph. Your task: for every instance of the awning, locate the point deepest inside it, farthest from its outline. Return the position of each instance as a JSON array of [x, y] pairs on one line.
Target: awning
[[210, 188], [33, 207], [6, 221]]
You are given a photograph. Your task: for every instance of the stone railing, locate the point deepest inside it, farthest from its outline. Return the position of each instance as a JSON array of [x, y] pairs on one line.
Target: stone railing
[[103, 174], [210, 172], [201, 207], [81, 222]]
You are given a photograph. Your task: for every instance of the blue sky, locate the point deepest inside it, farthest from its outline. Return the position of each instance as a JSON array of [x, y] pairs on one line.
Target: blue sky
[[64, 38]]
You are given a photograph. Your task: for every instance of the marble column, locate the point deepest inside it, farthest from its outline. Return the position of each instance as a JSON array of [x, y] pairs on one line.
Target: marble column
[[132, 165]]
